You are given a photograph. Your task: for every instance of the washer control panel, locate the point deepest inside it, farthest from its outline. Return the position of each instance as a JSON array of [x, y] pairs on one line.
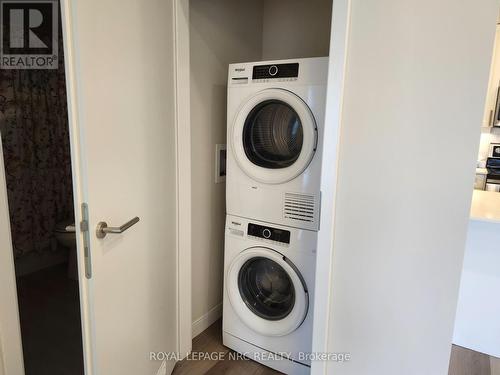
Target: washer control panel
[[290, 70], [269, 233]]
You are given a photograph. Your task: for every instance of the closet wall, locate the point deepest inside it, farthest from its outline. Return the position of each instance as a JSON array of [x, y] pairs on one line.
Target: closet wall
[[221, 32], [296, 28], [224, 32]]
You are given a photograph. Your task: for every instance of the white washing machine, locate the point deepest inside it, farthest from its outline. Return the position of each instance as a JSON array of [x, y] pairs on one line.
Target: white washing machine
[[269, 275], [275, 120]]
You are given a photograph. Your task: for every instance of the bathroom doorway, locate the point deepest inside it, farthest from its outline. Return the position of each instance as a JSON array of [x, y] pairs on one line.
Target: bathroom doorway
[[38, 179]]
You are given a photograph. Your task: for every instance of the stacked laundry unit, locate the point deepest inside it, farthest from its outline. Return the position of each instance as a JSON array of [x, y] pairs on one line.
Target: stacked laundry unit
[[275, 123]]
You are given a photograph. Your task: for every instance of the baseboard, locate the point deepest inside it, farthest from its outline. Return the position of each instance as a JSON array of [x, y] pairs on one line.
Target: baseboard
[[205, 321]]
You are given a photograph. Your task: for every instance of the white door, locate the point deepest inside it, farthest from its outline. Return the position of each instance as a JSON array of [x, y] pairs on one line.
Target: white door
[[120, 67]]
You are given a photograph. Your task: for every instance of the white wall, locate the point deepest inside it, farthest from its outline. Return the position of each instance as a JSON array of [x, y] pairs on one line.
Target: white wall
[[296, 28], [415, 86], [477, 324], [221, 32], [491, 97]]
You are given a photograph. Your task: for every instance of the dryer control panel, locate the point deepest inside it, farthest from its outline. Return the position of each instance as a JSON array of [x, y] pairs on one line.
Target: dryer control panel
[[311, 71], [269, 233]]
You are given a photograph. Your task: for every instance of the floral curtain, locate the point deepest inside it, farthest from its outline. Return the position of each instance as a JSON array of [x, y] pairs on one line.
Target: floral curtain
[[35, 138]]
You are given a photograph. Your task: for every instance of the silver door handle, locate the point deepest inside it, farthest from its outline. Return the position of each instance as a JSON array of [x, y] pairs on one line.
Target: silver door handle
[[102, 228]]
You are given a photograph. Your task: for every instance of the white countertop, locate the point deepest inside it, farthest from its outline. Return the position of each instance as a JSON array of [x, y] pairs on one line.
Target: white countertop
[[485, 206]]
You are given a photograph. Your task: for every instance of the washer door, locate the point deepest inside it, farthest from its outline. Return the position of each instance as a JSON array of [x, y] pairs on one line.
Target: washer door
[[274, 136], [267, 292]]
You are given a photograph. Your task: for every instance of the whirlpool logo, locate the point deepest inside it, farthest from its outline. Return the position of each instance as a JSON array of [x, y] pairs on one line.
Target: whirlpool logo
[[29, 34]]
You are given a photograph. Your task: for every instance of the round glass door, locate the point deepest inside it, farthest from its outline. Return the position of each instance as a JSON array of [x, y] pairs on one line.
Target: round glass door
[[266, 288], [273, 135], [267, 292]]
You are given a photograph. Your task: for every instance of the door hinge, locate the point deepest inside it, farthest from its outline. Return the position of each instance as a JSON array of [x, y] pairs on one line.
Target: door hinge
[[84, 227]]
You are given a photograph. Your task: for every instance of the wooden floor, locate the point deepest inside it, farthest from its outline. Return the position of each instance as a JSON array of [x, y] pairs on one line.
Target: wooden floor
[[468, 362], [210, 341], [463, 361]]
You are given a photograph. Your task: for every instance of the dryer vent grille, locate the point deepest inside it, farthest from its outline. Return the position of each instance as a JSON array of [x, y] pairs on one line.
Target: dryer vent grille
[[299, 207]]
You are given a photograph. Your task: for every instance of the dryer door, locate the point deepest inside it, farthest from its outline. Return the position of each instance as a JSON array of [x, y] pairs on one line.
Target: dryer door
[[274, 136], [267, 291]]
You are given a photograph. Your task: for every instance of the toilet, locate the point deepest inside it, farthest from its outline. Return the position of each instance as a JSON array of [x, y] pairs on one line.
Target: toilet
[[66, 237]]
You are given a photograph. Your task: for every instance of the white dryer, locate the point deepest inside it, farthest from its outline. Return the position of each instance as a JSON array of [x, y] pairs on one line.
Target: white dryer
[[269, 275], [275, 122]]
